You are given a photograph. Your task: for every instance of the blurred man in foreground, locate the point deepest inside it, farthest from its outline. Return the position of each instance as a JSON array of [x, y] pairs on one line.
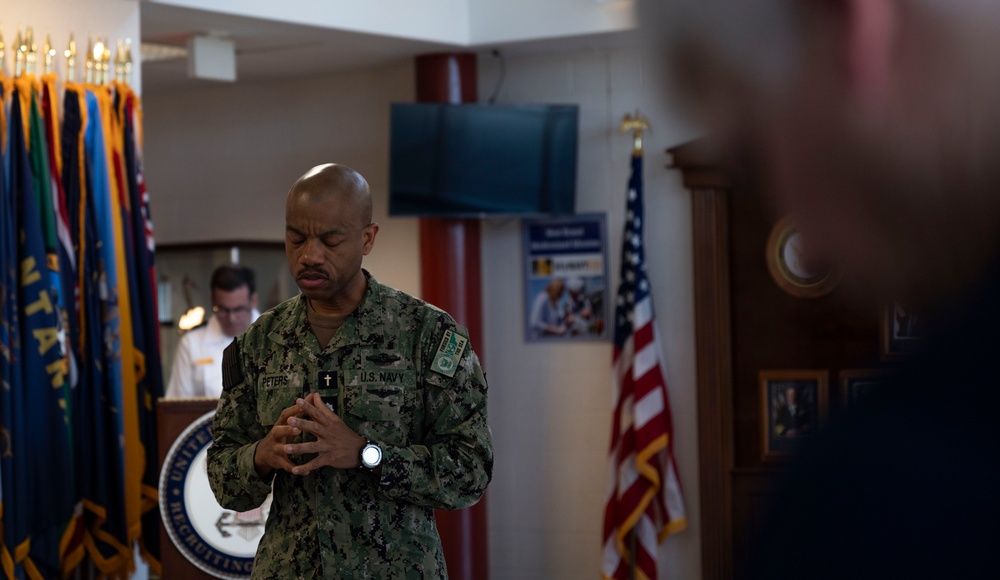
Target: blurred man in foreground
[[878, 125]]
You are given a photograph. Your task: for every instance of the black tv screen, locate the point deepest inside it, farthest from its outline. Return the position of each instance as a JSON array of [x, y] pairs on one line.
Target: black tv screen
[[474, 160]]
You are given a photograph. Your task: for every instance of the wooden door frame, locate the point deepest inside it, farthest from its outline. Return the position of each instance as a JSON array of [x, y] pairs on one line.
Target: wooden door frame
[[710, 189]]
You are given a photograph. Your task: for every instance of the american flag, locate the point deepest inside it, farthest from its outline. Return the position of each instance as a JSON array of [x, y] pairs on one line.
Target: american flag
[[644, 493]]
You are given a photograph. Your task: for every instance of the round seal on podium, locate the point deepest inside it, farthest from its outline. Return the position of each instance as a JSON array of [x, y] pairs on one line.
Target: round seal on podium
[[217, 541]]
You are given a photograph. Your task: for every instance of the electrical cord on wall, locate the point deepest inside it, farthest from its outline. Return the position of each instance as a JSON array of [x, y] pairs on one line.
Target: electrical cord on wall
[[503, 75]]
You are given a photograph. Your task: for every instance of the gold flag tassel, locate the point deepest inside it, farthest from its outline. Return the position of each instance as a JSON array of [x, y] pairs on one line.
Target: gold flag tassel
[[637, 124]]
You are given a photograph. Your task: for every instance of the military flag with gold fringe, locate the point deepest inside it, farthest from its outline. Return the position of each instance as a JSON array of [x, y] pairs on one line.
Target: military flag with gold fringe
[[80, 365], [140, 249], [38, 495]]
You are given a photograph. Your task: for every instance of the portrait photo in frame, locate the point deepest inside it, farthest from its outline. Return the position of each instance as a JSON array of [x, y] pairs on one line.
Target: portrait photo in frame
[[792, 409]]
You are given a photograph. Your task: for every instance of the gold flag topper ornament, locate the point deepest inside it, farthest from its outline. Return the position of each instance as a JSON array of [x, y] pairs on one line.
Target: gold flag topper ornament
[[106, 59], [99, 50], [70, 55], [32, 55], [50, 54], [20, 50], [102, 62], [120, 61], [638, 124], [128, 62], [89, 63]]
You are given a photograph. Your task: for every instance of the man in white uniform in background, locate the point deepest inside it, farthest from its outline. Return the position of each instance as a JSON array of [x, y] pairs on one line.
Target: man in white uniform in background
[[197, 368]]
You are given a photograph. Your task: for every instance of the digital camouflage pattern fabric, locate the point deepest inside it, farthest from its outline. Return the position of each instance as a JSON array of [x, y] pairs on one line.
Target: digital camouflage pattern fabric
[[378, 375]]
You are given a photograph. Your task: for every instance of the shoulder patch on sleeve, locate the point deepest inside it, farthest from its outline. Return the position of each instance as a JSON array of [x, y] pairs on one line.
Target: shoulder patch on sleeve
[[232, 370], [449, 353]]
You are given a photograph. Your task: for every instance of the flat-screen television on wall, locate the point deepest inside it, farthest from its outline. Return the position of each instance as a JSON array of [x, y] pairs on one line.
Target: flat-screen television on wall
[[480, 160]]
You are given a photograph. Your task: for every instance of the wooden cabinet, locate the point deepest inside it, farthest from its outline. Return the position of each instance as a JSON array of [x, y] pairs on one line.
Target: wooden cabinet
[[747, 324]]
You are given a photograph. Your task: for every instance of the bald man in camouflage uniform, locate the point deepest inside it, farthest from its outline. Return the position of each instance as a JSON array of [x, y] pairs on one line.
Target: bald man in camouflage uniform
[[365, 407]]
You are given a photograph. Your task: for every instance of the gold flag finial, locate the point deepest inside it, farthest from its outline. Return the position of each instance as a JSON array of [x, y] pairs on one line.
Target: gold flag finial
[[50, 54], [97, 55], [119, 57], [89, 66], [20, 50], [637, 124], [128, 61], [31, 60], [70, 54], [106, 59]]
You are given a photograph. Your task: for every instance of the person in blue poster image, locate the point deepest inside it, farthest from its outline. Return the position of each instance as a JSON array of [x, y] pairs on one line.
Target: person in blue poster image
[[549, 311], [579, 310]]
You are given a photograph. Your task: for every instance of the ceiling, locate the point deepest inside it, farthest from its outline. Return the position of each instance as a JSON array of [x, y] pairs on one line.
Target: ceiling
[[267, 50]]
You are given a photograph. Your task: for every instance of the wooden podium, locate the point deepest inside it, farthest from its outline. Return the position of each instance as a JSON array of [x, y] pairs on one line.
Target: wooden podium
[[173, 416]]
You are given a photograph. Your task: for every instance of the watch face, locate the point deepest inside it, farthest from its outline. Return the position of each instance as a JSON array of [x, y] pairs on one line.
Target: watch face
[[371, 455]]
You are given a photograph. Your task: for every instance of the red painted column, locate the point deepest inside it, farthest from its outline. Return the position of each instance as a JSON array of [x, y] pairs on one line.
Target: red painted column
[[450, 272]]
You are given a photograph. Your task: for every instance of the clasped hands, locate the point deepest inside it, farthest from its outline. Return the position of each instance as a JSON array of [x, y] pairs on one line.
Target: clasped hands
[[336, 444]]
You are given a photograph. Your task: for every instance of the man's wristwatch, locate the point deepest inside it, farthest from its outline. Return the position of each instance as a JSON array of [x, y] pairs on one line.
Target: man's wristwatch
[[371, 455]]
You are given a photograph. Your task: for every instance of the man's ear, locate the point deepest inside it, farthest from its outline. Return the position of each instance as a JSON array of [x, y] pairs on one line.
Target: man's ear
[[253, 300], [370, 231], [871, 43]]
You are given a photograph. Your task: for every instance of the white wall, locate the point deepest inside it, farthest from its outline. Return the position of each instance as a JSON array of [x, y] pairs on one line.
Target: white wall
[[550, 404], [220, 160], [113, 18]]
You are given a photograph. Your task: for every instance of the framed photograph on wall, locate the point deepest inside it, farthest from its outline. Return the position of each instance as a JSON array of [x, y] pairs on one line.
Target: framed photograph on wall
[[901, 330], [858, 384], [566, 278], [792, 409]]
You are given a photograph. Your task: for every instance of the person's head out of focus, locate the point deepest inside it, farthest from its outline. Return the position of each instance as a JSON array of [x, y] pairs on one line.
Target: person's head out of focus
[[791, 396], [234, 296], [876, 123], [575, 286], [555, 289], [328, 230]]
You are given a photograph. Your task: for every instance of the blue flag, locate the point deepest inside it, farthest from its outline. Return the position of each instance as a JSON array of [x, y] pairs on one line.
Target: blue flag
[[145, 324], [35, 465], [10, 352], [98, 422]]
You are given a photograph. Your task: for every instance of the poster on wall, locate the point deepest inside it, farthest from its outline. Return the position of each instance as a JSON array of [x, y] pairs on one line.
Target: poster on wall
[[566, 278]]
